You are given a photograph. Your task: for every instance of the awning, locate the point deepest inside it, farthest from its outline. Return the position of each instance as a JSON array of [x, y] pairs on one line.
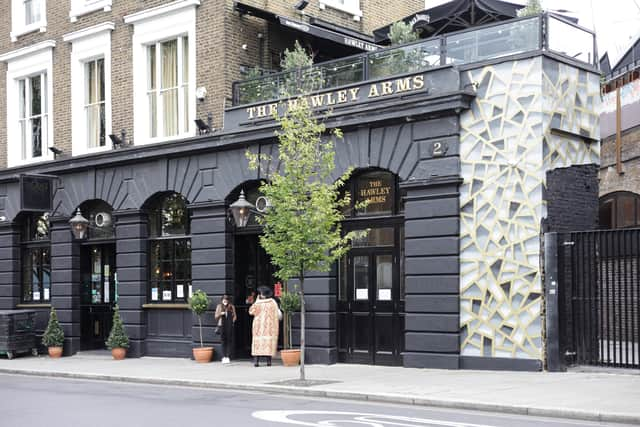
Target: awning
[[307, 28], [456, 15]]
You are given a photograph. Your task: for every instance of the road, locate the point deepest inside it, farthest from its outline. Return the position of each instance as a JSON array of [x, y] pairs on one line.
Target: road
[[30, 401]]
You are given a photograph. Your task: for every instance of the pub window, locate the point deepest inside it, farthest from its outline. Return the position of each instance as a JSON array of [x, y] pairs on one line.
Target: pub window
[[378, 189], [170, 250], [619, 210], [36, 259]]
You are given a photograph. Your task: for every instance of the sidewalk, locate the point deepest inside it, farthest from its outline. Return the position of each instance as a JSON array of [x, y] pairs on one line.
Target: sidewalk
[[594, 396]]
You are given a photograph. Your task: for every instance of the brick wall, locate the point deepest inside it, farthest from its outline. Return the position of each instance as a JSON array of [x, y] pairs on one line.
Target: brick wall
[[572, 199], [220, 34], [610, 180]]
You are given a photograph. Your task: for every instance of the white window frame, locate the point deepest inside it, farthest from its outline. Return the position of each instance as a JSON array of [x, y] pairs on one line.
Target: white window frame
[[83, 7], [351, 7], [151, 26], [21, 63], [19, 27], [88, 45]]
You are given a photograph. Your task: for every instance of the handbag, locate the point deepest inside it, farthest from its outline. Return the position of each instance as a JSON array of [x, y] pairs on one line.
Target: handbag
[[218, 329]]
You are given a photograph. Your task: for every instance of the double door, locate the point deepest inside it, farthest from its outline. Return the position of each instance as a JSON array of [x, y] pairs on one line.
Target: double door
[[370, 307], [99, 287]]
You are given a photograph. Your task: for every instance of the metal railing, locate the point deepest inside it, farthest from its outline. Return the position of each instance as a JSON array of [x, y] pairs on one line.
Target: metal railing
[[542, 32], [600, 294]]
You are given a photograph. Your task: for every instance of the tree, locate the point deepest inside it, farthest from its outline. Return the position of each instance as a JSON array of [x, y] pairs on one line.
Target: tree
[[118, 337], [199, 303], [533, 7], [302, 229], [301, 77], [54, 335], [401, 33]]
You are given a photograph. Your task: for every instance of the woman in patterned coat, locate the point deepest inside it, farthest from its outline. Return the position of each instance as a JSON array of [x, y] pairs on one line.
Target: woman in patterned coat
[[265, 326]]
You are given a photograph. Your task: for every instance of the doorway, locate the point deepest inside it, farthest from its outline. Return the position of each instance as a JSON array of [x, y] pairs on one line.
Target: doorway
[[370, 301], [253, 269], [98, 294]]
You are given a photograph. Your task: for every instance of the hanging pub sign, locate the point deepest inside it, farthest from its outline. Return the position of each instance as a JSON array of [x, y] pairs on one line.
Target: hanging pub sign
[[36, 193]]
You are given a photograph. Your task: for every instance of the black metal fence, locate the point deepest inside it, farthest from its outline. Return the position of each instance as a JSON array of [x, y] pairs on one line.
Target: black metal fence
[[599, 297]]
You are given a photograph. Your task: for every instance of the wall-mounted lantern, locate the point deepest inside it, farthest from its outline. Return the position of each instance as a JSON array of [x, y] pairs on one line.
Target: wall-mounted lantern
[[79, 226]]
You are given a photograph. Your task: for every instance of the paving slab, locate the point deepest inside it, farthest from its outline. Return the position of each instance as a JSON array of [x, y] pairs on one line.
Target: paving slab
[[612, 396]]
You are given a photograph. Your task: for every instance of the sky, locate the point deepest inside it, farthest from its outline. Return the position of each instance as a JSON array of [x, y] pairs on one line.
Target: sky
[[617, 22]]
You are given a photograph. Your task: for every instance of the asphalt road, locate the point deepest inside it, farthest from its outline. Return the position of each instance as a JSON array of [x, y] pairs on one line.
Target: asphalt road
[[30, 401]]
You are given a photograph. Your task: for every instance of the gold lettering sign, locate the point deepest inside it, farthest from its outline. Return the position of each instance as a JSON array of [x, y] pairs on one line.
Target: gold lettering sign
[[339, 97]]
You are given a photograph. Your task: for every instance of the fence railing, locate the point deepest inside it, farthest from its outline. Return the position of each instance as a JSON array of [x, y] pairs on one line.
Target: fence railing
[[547, 31], [600, 288]]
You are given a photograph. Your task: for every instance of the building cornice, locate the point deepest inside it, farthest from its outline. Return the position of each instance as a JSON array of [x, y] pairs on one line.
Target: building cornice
[[29, 50], [159, 11], [89, 31]]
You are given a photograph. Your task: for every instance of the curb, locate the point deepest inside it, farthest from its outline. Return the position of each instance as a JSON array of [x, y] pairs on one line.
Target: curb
[[355, 396]]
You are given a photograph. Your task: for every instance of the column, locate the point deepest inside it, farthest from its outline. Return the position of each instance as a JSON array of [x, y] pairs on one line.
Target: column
[[211, 264], [9, 265], [65, 281], [131, 267], [432, 274]]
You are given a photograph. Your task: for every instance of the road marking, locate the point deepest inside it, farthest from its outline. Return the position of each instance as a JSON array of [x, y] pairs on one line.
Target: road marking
[[336, 419]]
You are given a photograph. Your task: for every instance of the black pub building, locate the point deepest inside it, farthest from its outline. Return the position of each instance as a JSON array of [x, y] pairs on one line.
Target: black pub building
[[452, 138]]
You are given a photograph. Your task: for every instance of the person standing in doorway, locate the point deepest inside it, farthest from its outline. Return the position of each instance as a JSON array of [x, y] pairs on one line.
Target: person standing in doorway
[[266, 317], [226, 318]]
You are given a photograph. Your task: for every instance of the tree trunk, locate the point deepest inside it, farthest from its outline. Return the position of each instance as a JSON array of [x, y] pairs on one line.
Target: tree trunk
[[302, 323], [200, 322]]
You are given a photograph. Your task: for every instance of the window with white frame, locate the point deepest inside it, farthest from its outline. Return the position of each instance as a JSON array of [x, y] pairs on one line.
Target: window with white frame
[[90, 88], [29, 103], [83, 7], [168, 87], [94, 104], [27, 16], [32, 115], [351, 7], [164, 71]]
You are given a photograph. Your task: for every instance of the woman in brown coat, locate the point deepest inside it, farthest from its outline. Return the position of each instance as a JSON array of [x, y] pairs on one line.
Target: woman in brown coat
[[265, 326]]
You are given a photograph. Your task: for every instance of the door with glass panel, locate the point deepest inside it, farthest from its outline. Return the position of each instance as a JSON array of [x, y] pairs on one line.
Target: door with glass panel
[[370, 326]]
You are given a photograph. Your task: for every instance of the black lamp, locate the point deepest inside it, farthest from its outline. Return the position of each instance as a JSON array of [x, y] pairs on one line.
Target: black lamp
[[116, 140], [56, 151], [302, 4]]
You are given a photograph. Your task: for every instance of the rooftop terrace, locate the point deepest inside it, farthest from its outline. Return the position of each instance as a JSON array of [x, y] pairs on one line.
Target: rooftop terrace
[[546, 32]]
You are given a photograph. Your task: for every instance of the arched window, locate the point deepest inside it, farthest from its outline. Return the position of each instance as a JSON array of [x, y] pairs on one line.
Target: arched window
[[170, 250], [620, 210], [36, 258]]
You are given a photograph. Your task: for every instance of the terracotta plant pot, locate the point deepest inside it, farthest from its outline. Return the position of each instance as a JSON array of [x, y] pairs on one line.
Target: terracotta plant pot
[[203, 354], [55, 352], [290, 357], [118, 353]]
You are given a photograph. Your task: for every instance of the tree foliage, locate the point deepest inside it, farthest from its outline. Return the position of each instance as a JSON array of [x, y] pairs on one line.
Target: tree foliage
[[533, 7], [54, 335], [401, 33], [118, 337], [296, 58], [199, 303]]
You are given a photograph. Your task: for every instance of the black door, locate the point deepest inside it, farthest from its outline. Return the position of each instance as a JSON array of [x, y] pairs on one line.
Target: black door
[[98, 276], [369, 307]]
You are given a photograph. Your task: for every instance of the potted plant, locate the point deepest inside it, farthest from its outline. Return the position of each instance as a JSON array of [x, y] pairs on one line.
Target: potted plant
[[199, 303], [289, 303], [118, 341], [53, 337]]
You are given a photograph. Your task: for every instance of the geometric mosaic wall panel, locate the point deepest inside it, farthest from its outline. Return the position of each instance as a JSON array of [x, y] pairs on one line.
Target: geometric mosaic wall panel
[[506, 147]]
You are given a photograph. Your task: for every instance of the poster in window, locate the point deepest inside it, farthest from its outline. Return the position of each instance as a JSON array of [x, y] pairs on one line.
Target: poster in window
[[190, 291], [362, 293], [384, 294], [179, 291], [154, 294], [106, 291], [36, 296], [166, 295], [46, 294]]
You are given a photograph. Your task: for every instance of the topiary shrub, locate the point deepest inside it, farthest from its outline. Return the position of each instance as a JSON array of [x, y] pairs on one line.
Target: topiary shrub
[[199, 303], [289, 303], [118, 337], [54, 335]]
